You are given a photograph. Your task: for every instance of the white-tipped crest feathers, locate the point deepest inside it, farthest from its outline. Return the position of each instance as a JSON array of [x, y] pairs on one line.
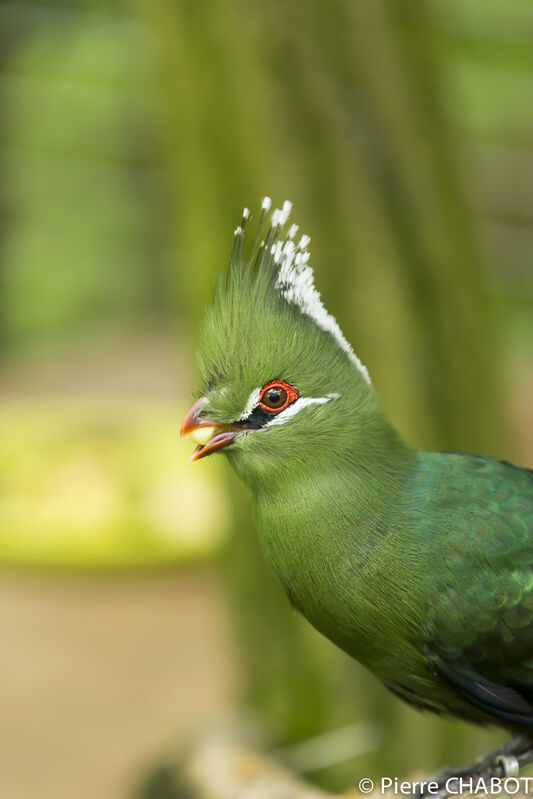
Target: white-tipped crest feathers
[[295, 277]]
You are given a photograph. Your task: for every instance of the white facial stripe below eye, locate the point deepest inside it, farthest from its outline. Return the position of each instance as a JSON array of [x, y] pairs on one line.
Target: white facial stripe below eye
[[296, 407]]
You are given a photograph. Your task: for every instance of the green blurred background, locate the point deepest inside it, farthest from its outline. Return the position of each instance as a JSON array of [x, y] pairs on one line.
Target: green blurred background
[[134, 603]]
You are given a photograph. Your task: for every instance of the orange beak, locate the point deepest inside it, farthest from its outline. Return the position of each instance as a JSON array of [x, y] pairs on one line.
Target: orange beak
[[209, 436]]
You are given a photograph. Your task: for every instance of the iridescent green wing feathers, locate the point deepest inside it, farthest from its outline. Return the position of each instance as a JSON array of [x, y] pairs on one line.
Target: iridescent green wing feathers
[[480, 632]]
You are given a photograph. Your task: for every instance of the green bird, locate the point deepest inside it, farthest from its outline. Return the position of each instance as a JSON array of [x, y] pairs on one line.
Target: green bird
[[417, 564]]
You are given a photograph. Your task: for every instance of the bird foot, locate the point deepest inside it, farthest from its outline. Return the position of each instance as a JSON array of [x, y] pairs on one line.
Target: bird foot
[[503, 763]]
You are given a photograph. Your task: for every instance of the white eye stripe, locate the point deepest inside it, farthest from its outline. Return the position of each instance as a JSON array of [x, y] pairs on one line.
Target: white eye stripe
[[294, 408]]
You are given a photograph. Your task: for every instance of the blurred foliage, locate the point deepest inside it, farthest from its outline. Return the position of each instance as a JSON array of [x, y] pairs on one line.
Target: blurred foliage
[[82, 247], [132, 135], [123, 177], [90, 486]]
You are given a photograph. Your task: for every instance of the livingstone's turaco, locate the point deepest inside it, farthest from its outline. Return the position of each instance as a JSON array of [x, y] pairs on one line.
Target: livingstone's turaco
[[418, 564]]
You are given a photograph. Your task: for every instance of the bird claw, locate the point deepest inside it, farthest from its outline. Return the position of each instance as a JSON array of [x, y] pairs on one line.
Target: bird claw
[[509, 765], [500, 764]]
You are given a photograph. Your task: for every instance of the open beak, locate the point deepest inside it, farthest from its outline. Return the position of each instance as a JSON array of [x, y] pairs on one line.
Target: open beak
[[209, 436]]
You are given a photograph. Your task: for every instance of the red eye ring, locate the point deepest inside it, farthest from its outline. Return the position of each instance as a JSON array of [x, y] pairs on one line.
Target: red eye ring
[[287, 395]]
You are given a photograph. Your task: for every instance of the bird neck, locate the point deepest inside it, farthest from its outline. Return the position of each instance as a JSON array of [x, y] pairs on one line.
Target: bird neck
[[323, 531], [345, 498]]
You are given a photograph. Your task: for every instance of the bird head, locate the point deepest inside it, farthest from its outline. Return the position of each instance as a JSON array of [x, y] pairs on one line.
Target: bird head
[[283, 387]]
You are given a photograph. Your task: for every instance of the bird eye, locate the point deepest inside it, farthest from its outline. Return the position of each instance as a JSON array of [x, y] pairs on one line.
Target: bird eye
[[277, 395]]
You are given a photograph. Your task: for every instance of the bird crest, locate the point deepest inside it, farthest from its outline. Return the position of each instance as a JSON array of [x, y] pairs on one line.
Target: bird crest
[[282, 259]]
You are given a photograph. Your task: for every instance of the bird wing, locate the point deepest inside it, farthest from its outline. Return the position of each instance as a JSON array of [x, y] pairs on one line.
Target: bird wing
[[494, 699], [479, 632]]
